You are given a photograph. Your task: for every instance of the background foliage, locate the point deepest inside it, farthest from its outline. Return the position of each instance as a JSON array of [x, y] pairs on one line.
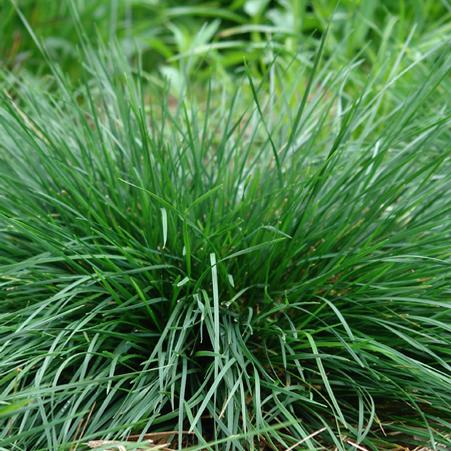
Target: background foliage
[[219, 34]]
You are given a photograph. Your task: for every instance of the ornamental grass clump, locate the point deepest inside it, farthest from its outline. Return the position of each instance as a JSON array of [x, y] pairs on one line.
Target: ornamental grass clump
[[262, 266]]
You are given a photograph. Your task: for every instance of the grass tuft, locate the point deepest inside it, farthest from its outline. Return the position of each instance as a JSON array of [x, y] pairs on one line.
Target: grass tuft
[[264, 265]]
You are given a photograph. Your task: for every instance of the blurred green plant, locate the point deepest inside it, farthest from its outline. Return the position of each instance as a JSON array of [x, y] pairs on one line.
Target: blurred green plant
[[203, 36]]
